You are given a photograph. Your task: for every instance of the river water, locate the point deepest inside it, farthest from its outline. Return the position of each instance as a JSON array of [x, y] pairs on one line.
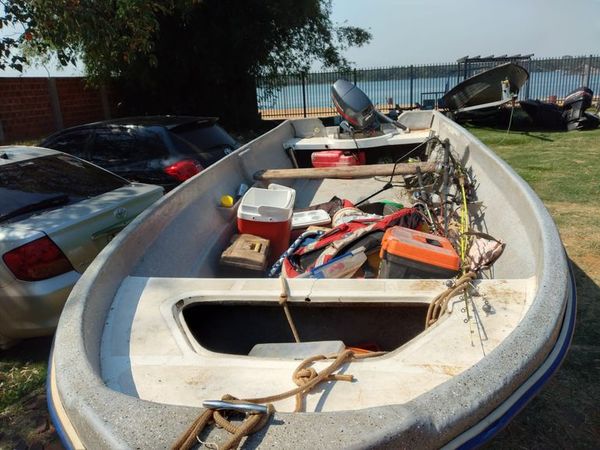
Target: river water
[[540, 85]]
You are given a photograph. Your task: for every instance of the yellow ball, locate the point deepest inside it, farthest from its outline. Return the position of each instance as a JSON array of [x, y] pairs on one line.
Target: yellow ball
[[227, 201]]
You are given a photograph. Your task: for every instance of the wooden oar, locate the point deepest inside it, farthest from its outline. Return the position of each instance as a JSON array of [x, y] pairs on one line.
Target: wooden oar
[[372, 170]]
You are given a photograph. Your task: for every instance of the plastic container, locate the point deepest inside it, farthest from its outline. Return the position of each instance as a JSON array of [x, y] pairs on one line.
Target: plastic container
[[268, 213], [407, 253], [341, 267], [304, 219], [337, 158]]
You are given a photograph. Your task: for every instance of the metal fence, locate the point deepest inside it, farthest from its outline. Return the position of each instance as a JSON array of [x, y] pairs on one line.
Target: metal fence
[[307, 94]]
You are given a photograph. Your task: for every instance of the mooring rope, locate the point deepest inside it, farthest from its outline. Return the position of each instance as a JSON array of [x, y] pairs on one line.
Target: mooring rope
[[438, 305], [305, 377], [283, 301]]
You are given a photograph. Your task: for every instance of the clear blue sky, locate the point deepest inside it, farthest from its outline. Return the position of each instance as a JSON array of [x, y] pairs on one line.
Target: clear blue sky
[[429, 31]]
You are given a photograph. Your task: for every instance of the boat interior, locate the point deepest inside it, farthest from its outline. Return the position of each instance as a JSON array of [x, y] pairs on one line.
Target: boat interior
[[195, 332]]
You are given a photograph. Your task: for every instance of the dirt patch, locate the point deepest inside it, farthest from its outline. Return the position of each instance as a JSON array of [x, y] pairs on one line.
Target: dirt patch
[[26, 424], [24, 418]]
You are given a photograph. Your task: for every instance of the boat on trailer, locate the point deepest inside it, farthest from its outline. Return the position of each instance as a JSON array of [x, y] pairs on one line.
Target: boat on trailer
[[152, 330]]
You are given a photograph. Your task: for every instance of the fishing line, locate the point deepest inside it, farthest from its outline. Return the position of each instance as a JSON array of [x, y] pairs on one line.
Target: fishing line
[[512, 110], [389, 184]]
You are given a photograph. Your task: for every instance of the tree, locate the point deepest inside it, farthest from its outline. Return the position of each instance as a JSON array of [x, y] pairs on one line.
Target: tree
[[183, 56]]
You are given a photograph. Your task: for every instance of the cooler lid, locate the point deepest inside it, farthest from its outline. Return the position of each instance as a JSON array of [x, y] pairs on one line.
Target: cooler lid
[[267, 205]]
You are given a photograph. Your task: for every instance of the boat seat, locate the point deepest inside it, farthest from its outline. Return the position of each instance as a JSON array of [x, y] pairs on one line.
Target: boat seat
[[297, 350], [164, 362], [308, 129]]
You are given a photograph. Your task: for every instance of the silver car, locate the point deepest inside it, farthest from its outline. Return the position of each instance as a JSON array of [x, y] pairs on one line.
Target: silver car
[[56, 213]]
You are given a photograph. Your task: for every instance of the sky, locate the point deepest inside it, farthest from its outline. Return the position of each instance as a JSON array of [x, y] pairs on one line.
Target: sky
[[430, 31], [439, 31]]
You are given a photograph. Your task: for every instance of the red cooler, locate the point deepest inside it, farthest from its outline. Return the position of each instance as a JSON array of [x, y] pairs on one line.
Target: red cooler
[[268, 213], [337, 158]]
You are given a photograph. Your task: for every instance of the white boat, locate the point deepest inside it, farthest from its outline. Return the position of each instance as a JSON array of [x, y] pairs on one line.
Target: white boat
[[151, 331]]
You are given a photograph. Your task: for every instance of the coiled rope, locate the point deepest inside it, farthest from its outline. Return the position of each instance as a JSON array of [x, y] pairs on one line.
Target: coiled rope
[[305, 377]]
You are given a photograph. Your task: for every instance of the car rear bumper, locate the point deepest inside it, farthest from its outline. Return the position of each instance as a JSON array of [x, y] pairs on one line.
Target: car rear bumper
[[30, 309]]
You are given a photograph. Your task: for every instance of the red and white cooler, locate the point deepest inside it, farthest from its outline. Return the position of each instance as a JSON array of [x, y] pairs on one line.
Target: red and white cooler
[[268, 213]]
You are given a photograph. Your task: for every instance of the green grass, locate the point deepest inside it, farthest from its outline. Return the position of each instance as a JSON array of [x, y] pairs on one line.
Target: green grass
[[18, 380], [22, 370], [564, 170], [561, 167]]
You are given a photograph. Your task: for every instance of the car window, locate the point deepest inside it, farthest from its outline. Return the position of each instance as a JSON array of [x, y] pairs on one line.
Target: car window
[[113, 146], [151, 144], [48, 179], [73, 143], [122, 145], [210, 143]]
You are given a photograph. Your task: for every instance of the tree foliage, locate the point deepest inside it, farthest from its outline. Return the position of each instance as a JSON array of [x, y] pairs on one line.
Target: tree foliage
[[179, 54], [284, 35]]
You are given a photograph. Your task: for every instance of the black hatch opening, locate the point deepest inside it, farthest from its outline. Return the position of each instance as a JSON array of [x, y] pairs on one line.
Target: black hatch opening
[[236, 328]]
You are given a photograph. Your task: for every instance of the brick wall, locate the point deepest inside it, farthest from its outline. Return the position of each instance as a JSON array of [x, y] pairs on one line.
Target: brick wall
[[78, 103], [32, 108]]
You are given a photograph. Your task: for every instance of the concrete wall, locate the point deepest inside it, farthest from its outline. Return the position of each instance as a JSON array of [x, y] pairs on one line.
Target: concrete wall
[[31, 108]]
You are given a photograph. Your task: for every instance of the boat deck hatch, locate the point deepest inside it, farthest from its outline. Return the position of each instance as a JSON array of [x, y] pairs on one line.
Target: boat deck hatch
[[237, 328]]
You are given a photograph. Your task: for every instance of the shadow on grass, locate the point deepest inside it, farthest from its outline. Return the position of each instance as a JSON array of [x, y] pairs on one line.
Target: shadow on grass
[[565, 414], [29, 350], [541, 138]]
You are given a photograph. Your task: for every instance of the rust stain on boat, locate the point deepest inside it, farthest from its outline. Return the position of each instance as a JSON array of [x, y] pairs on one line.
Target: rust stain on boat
[[443, 368]]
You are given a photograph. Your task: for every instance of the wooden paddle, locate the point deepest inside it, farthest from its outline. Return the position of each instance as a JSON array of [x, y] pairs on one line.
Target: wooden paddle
[[372, 170]]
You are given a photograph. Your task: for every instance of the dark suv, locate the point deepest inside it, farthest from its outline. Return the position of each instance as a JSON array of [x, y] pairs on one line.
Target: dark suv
[[163, 150]]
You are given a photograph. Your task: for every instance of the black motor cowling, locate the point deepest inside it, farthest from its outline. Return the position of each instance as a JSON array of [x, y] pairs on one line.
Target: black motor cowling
[[574, 108], [353, 104]]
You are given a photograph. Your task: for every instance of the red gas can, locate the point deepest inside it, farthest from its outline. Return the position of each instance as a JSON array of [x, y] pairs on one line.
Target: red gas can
[[337, 158]]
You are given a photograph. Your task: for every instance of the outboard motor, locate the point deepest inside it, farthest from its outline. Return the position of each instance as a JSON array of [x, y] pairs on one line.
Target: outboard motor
[[574, 108], [356, 108], [353, 104]]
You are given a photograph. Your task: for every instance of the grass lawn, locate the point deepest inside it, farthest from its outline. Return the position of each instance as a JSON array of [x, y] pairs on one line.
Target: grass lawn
[[564, 169]]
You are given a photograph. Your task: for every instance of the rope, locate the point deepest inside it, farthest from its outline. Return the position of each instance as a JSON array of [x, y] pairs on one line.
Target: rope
[[283, 301], [250, 425], [438, 305], [512, 110], [464, 224], [305, 377]]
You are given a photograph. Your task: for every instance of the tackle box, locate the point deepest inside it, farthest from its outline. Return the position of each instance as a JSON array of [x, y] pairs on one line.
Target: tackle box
[[337, 158], [247, 254], [407, 253]]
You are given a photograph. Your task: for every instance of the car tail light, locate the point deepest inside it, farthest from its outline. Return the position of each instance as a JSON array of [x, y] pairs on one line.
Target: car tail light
[[183, 170], [37, 260]]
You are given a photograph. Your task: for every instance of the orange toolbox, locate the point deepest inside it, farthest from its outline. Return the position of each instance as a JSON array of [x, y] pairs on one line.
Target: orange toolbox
[[407, 253]]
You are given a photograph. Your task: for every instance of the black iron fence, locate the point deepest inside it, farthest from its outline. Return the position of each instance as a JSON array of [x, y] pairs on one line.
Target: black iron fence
[[307, 94]]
